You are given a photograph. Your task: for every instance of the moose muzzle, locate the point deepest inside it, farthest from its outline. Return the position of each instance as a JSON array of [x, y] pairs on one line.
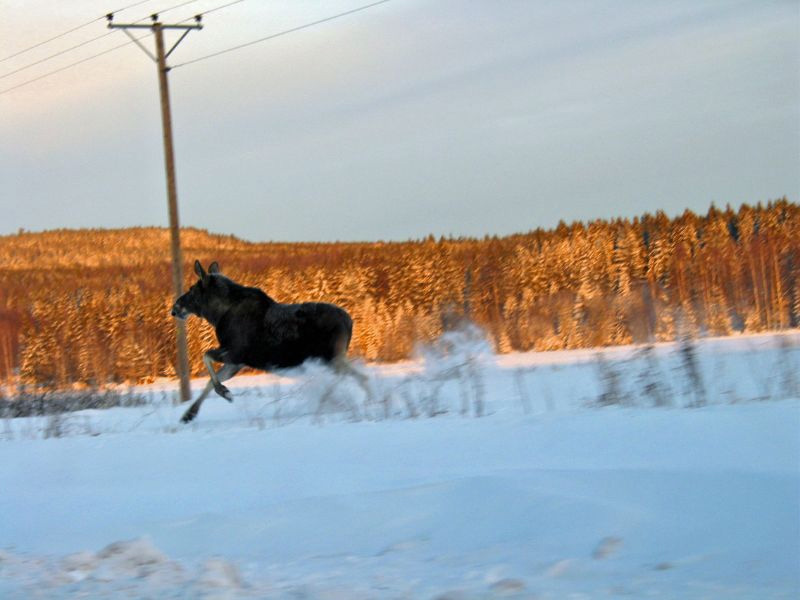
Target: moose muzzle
[[179, 312]]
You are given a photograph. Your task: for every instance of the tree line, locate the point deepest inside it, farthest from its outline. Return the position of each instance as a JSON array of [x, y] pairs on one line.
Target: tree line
[[92, 306]]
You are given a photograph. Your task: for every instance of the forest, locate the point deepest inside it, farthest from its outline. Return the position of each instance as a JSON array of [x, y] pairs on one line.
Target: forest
[[93, 306]]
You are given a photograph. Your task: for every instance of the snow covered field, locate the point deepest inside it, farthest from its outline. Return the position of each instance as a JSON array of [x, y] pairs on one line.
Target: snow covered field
[[663, 473]]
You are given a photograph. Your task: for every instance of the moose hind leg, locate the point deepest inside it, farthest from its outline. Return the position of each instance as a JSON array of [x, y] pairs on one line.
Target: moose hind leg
[[217, 355], [225, 372], [343, 366]]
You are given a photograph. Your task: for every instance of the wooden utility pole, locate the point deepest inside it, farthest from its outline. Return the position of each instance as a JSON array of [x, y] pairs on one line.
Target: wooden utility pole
[[169, 162]]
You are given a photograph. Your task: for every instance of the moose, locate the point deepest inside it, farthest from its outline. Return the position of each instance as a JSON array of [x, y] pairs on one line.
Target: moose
[[256, 331]]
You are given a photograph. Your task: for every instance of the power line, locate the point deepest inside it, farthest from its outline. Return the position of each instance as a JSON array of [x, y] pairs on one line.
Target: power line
[[69, 66], [97, 55], [168, 9], [159, 12], [281, 33], [89, 41], [60, 35], [210, 10], [264, 39], [129, 6], [45, 59]]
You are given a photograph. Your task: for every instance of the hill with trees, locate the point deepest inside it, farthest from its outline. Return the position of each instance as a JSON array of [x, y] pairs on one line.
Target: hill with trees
[[93, 306]]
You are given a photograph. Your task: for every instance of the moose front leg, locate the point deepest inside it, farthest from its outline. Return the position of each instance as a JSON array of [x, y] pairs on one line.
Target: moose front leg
[[225, 372], [217, 355]]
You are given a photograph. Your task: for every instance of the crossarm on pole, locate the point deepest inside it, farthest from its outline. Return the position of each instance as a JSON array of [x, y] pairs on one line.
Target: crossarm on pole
[[138, 43]]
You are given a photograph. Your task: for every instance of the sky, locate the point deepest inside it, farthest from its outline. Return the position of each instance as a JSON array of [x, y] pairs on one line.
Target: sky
[[414, 117]]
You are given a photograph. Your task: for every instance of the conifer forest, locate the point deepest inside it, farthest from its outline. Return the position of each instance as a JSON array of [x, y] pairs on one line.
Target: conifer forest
[[93, 306]]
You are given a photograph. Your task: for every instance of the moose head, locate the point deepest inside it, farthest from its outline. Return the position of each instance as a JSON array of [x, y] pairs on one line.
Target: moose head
[[208, 288]]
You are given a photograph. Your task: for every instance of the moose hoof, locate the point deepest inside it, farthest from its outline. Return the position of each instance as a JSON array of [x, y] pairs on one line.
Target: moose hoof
[[224, 392]]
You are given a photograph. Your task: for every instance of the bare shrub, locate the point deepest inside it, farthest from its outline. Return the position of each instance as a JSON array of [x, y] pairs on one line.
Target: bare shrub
[[456, 356], [27, 403], [787, 364], [650, 380], [611, 376], [690, 364]]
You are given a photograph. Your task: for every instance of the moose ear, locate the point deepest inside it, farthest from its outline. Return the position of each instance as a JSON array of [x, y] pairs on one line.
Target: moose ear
[[213, 268], [198, 268]]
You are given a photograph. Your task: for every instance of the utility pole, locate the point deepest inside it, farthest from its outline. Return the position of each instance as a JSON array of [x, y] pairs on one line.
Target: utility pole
[[169, 162]]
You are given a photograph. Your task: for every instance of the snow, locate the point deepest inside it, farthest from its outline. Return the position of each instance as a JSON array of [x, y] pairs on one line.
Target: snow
[[546, 495]]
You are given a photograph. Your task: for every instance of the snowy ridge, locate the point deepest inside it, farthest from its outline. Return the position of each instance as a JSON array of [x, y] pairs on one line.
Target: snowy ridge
[[547, 495]]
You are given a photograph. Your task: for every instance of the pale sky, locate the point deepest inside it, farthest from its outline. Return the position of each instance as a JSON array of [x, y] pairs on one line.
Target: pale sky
[[415, 117]]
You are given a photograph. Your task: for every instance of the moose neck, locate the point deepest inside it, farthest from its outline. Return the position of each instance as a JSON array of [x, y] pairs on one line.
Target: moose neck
[[213, 310]]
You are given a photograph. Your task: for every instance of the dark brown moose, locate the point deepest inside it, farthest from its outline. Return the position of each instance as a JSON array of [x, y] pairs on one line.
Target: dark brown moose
[[256, 331]]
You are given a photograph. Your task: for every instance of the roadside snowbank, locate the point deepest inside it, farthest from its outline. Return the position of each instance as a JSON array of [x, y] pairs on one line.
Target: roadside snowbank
[[538, 499]]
